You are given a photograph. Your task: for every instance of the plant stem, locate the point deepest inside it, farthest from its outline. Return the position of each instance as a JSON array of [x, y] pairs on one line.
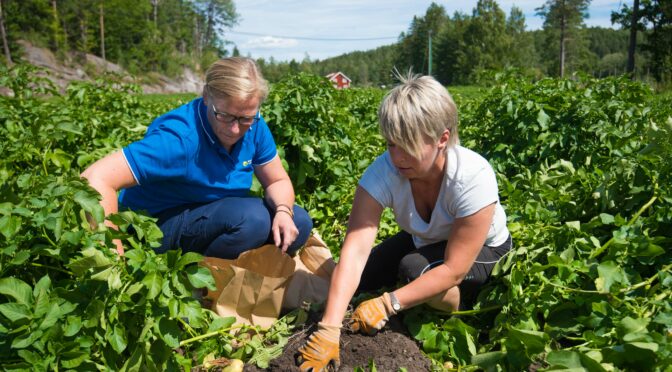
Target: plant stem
[[208, 335], [622, 290], [44, 233], [545, 280], [647, 281], [641, 210], [477, 311], [52, 268], [187, 326]]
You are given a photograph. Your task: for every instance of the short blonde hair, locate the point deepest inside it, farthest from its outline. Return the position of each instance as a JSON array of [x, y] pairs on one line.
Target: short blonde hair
[[417, 108], [236, 77]]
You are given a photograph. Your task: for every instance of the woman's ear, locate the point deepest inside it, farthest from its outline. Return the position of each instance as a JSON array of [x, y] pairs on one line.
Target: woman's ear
[[443, 140]]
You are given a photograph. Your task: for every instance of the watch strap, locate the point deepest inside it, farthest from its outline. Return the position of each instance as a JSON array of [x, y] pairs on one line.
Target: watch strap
[[396, 306]]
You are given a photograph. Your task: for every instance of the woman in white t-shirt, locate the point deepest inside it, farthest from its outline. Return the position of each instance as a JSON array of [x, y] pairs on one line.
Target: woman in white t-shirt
[[445, 200]]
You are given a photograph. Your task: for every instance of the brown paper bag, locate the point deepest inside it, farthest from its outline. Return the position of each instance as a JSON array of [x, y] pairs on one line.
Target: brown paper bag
[[310, 282], [251, 287]]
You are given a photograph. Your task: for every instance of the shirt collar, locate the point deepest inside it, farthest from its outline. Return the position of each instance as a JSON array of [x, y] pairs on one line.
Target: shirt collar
[[203, 120]]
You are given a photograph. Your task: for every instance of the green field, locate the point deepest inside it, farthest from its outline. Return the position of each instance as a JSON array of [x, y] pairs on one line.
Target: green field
[[584, 175]]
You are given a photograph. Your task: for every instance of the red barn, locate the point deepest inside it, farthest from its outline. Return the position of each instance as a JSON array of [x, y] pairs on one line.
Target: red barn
[[339, 80]]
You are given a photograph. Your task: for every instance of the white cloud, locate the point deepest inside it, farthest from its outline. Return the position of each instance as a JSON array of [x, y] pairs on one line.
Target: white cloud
[[270, 42], [336, 25]]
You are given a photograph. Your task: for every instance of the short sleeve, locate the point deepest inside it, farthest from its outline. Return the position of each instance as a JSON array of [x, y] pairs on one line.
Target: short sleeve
[[265, 148], [162, 154], [479, 192], [375, 182]]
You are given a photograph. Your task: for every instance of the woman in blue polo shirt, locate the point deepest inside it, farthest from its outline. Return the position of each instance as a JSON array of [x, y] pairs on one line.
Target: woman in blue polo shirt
[[193, 171]]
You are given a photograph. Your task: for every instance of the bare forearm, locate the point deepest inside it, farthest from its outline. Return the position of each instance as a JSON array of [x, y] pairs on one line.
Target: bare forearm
[[280, 192], [344, 282], [427, 286]]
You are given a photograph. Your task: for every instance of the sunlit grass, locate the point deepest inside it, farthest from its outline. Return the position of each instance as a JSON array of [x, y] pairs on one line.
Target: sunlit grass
[[177, 98], [463, 93]]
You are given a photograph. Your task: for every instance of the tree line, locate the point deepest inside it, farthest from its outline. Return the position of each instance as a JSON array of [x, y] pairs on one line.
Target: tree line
[[162, 36], [466, 47], [166, 36]]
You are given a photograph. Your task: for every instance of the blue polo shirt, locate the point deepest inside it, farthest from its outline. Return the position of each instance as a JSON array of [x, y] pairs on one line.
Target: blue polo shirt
[[180, 161]]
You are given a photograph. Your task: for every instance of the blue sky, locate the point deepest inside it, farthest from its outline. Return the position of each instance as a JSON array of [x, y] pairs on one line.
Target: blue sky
[[287, 29]]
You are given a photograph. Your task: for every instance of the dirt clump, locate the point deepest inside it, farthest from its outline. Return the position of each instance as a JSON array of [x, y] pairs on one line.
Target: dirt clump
[[389, 350]]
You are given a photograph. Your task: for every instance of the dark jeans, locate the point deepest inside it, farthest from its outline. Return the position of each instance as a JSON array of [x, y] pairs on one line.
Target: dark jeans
[[226, 228], [399, 255]]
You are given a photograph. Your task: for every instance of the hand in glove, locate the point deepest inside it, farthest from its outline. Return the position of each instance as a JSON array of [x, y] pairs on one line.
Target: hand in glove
[[320, 349], [372, 315]]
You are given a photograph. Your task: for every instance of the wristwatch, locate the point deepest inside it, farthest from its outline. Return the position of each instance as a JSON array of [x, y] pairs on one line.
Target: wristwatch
[[396, 306]]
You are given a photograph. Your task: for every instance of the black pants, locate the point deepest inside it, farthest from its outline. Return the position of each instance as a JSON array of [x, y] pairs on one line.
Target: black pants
[[398, 254]]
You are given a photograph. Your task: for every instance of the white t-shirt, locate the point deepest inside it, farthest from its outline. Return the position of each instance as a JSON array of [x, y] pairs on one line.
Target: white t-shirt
[[468, 185]]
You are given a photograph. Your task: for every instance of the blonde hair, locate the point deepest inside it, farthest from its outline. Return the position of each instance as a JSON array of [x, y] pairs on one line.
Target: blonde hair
[[236, 77], [417, 108]]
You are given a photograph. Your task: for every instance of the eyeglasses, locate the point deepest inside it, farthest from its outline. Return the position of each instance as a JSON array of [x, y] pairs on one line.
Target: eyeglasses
[[227, 118]]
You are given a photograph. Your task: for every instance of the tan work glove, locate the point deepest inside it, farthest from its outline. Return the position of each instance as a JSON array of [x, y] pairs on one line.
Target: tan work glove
[[372, 315], [320, 349]]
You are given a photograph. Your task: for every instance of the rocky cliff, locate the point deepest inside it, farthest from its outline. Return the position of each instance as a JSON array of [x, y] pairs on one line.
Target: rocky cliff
[[87, 66]]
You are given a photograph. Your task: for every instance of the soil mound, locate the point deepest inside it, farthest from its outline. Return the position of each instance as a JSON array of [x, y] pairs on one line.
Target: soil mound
[[389, 350]]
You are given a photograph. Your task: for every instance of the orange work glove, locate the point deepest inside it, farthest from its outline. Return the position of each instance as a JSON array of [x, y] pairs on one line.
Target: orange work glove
[[320, 349], [372, 315]]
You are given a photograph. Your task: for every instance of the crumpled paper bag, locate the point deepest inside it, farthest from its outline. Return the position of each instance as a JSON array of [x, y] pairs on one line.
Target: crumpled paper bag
[[257, 285], [252, 286], [310, 282]]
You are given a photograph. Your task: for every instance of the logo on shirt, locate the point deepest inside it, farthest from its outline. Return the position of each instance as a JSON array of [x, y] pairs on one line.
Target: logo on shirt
[[247, 162]]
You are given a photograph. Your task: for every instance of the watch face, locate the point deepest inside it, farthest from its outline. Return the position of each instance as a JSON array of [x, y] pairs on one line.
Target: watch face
[[396, 307]]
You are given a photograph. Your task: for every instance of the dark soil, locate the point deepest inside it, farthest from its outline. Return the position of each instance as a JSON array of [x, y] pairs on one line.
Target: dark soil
[[389, 350]]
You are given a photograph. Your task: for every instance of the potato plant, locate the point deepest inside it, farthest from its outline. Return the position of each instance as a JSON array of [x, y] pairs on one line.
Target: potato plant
[[584, 174]]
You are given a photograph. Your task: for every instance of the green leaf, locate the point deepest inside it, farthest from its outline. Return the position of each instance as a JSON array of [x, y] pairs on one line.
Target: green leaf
[[30, 357], [92, 259], [200, 277], [136, 256], [606, 219], [17, 289], [221, 323], [73, 359], [169, 332], [20, 258], [576, 225], [543, 119], [72, 326], [488, 361], [134, 363], [563, 358], [154, 282], [69, 127], [534, 341], [90, 203], [644, 346], [42, 303], [631, 329], [188, 258], [42, 285], [572, 360], [9, 225], [15, 312], [26, 340], [609, 274], [116, 336], [52, 316]]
